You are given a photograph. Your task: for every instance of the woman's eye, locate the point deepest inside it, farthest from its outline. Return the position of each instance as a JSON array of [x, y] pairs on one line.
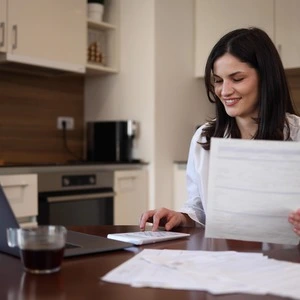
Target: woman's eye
[[237, 79], [216, 80]]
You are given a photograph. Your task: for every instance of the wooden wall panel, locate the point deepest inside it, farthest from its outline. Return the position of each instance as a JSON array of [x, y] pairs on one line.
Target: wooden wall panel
[[294, 82], [29, 107]]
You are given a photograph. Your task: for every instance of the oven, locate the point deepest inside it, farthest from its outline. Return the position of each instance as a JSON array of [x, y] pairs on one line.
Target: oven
[[75, 198]]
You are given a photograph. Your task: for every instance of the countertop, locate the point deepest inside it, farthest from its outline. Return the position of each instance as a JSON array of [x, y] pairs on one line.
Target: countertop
[[48, 168]]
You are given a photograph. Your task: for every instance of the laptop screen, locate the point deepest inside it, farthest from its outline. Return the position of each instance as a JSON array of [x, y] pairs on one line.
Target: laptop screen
[[8, 220]]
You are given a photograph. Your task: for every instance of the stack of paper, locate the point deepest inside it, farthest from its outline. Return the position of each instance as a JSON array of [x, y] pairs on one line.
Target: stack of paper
[[253, 186], [217, 272]]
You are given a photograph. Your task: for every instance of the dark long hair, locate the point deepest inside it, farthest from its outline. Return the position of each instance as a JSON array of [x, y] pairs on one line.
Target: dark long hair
[[254, 47]]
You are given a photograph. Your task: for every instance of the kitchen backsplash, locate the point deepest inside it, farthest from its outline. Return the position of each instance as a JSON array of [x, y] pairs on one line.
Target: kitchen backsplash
[[29, 107]]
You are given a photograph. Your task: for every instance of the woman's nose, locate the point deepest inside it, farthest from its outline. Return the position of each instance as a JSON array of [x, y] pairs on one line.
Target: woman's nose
[[227, 88]]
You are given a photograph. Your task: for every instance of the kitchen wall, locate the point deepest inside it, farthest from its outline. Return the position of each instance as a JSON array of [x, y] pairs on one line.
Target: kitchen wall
[[180, 102], [29, 107], [155, 86]]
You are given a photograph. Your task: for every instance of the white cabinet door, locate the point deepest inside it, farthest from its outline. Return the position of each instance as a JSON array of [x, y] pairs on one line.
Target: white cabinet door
[[21, 192], [3, 24], [131, 196], [287, 24], [214, 18], [47, 33], [180, 194]]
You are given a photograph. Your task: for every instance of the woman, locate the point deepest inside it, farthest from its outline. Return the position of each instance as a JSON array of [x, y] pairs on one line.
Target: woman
[[245, 79]]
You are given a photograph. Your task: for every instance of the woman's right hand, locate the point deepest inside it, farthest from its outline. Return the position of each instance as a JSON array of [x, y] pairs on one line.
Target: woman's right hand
[[164, 217], [294, 219]]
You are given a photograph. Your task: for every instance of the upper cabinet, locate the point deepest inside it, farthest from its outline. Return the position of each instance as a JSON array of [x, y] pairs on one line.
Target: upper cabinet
[[3, 24], [103, 41], [44, 33], [287, 36], [214, 18], [279, 18]]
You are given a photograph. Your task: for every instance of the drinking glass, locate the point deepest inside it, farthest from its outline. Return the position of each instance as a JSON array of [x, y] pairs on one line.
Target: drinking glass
[[41, 247]]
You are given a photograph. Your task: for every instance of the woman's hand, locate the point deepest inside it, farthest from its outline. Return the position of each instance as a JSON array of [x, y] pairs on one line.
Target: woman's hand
[[165, 217], [294, 219]]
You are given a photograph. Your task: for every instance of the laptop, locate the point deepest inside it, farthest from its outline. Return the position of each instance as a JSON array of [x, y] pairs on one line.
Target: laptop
[[77, 243]]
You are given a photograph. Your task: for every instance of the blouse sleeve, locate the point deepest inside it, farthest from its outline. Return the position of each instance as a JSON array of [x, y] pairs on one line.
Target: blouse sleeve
[[196, 166]]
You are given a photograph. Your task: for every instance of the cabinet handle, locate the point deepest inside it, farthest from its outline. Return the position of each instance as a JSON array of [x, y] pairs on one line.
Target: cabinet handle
[[15, 32], [2, 26]]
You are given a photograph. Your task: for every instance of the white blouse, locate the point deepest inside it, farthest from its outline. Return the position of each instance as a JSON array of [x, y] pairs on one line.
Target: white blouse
[[197, 172]]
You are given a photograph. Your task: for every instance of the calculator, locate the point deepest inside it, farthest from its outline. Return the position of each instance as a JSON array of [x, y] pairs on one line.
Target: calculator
[[147, 237]]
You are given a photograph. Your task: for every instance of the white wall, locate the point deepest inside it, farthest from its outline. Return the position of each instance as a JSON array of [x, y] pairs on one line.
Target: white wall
[[155, 86], [130, 94], [180, 102]]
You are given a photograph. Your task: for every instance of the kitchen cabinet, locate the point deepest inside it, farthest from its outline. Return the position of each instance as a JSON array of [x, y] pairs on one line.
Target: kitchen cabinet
[[44, 33], [180, 195], [278, 18], [22, 194], [131, 196], [103, 45], [287, 38], [214, 18], [3, 23]]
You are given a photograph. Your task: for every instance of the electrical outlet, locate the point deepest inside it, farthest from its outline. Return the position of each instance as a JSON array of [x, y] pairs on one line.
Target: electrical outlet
[[68, 120]]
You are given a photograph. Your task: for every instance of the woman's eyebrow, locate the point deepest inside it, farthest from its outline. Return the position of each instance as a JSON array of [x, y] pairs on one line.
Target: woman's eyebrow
[[230, 75]]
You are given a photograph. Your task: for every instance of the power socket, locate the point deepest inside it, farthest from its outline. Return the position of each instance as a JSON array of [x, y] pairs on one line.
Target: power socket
[[69, 121]]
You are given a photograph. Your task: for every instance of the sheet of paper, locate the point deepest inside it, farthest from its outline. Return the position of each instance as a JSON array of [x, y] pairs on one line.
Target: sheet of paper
[[253, 186], [217, 272]]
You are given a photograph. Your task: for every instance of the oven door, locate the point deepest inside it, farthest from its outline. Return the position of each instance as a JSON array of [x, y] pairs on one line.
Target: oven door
[[76, 207]]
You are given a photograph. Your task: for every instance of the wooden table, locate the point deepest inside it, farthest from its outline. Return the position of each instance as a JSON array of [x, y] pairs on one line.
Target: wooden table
[[80, 277]]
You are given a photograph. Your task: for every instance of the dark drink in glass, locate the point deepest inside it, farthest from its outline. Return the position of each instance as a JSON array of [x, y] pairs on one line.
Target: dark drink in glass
[[41, 247], [42, 261]]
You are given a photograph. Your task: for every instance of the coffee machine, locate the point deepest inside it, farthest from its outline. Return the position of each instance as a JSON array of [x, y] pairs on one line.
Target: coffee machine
[[111, 141]]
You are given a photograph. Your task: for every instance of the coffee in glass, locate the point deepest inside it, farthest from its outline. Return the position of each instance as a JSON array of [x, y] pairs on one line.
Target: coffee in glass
[[41, 247]]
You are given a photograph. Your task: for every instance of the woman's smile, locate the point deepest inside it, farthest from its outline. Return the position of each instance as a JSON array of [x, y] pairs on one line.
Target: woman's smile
[[231, 101]]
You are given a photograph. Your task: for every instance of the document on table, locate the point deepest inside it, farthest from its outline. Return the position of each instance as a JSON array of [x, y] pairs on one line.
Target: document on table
[[217, 272], [253, 186]]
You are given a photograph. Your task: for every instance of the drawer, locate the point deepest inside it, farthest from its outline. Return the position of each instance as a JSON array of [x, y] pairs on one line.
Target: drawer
[[21, 192]]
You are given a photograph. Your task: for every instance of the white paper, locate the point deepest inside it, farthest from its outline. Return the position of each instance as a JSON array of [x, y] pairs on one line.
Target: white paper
[[253, 186], [217, 272]]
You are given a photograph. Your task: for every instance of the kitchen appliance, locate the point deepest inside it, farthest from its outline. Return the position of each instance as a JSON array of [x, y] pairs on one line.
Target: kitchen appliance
[[111, 141], [76, 198]]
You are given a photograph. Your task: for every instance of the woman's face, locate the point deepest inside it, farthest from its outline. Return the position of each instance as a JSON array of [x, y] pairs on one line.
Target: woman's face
[[236, 85]]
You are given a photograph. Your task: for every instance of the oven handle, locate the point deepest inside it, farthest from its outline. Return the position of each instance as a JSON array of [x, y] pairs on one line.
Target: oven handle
[[79, 197]]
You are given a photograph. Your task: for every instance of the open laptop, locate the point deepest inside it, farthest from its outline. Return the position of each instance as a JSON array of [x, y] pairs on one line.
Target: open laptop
[[77, 243]]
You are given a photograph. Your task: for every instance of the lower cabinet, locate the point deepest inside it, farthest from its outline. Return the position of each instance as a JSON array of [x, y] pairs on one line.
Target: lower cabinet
[[21, 192], [131, 196], [180, 195]]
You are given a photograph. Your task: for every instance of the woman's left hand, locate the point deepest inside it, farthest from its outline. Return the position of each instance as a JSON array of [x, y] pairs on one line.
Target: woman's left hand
[[294, 219]]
